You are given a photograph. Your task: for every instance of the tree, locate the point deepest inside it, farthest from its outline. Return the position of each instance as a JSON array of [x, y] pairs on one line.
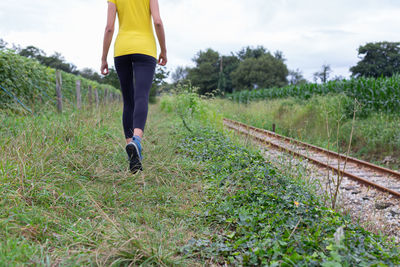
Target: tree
[[249, 52], [279, 55], [32, 52], [90, 74], [228, 65], [3, 44], [205, 74], [295, 77], [324, 74], [179, 75], [378, 59], [57, 61], [265, 71], [158, 82]]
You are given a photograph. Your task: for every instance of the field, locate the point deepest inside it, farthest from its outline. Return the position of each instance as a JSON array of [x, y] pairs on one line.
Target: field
[[204, 198], [67, 197], [381, 94]]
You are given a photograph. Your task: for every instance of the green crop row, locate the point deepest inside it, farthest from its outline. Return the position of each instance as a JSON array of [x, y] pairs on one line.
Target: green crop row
[[381, 94], [34, 83]]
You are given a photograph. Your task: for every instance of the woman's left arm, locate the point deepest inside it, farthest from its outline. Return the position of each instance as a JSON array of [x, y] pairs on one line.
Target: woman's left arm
[[108, 35]]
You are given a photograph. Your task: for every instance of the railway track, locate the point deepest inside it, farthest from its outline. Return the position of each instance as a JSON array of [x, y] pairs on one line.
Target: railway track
[[363, 172]]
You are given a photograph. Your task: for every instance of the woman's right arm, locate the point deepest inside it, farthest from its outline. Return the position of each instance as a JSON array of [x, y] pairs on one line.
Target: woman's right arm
[[159, 27]]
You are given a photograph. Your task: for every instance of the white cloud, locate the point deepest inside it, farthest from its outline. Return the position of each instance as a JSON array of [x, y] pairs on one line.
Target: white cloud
[[309, 32]]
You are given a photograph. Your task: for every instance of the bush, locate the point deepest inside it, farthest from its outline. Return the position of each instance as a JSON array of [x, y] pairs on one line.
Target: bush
[[190, 107], [32, 82]]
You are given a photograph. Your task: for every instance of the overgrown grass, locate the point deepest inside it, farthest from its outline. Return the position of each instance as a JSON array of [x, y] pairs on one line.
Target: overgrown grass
[[375, 137], [67, 197]]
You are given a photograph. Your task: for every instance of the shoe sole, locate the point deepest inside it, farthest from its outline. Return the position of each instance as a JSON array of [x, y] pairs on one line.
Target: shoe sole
[[134, 160]]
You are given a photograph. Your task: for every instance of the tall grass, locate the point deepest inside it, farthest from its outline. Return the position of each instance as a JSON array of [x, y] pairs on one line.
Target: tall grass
[[375, 137], [375, 94], [67, 197]]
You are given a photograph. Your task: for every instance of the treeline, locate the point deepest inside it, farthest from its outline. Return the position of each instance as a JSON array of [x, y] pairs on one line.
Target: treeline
[[57, 61], [246, 69], [255, 68]]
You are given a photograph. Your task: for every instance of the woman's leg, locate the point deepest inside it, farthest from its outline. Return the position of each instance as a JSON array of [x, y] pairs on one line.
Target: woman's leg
[[144, 68], [124, 68]]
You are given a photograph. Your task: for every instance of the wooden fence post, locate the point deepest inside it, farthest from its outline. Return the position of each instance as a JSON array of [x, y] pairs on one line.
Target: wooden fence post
[[105, 96], [96, 96], [90, 96], [78, 94], [58, 90]]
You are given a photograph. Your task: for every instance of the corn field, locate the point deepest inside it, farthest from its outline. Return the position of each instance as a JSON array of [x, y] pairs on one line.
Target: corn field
[[381, 94]]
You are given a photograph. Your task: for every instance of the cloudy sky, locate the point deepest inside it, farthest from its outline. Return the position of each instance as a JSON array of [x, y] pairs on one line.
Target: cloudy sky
[[310, 33]]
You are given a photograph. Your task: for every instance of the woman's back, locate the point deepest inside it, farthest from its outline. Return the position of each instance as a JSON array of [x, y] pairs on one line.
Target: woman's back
[[135, 28], [135, 62]]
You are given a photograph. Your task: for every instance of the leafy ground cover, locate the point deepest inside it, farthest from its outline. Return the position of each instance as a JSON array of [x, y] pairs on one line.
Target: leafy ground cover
[[68, 199], [259, 216]]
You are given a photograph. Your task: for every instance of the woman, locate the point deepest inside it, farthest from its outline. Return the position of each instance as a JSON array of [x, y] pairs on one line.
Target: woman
[[135, 60]]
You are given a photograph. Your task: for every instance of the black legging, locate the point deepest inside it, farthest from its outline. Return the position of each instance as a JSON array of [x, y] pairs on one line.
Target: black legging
[[135, 73]]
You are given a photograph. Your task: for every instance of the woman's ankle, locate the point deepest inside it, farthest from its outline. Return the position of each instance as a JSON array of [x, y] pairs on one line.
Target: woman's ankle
[[128, 140], [138, 138]]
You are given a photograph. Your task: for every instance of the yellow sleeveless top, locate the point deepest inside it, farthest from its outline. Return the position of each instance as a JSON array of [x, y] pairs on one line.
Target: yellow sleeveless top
[[135, 35]]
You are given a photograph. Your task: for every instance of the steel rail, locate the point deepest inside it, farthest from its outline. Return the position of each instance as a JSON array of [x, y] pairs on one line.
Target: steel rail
[[312, 147], [320, 163]]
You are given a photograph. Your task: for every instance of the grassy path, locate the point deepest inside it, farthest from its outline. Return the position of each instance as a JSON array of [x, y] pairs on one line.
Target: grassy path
[[67, 198]]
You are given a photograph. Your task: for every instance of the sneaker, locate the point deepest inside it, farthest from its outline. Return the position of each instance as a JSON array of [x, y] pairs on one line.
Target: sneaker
[[134, 150]]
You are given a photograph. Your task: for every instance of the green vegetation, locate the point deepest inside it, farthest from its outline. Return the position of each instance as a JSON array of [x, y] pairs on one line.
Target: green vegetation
[[260, 216], [68, 199], [57, 61], [375, 137], [253, 68], [380, 94], [248, 68], [34, 84], [378, 59]]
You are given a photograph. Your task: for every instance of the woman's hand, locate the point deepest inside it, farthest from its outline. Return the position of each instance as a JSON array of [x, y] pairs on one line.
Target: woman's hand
[[162, 59], [104, 67]]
